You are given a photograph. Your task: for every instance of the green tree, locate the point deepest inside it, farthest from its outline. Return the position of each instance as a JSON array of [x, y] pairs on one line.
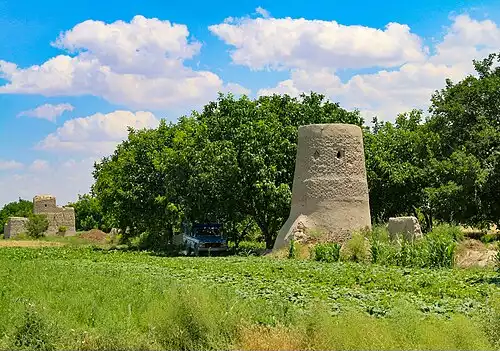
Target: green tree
[[259, 141], [466, 116], [137, 185], [89, 213], [20, 208], [37, 225], [398, 157], [233, 163]]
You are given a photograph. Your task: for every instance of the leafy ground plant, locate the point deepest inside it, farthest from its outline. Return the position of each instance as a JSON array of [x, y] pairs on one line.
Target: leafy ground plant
[[327, 252], [229, 300]]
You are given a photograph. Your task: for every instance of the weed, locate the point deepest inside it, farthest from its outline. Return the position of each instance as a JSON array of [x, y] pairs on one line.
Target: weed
[[292, 252], [248, 248], [62, 230], [356, 248], [327, 252], [33, 333], [197, 320], [441, 246]]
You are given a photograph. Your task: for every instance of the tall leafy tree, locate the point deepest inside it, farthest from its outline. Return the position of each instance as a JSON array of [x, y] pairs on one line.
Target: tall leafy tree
[[466, 116], [20, 208], [89, 213]]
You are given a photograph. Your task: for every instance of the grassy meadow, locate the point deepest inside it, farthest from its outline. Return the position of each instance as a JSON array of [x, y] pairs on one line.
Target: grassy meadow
[[82, 297]]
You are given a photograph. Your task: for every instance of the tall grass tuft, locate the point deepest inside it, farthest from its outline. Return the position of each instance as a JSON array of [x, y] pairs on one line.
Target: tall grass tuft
[[197, 319], [356, 248], [33, 332], [436, 250], [404, 329]]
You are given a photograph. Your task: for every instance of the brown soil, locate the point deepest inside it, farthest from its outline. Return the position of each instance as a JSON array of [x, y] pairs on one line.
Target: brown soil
[[473, 253], [94, 235], [28, 243]]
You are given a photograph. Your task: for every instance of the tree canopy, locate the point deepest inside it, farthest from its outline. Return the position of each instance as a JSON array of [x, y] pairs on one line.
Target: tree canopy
[[233, 162]]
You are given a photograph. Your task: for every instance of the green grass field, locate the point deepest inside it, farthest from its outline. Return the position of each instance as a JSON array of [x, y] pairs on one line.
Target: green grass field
[[83, 298]]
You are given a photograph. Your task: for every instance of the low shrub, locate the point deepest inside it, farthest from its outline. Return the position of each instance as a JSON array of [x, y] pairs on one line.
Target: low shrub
[[326, 252], [436, 250], [37, 225], [489, 238], [356, 249], [447, 231], [248, 248], [62, 230]]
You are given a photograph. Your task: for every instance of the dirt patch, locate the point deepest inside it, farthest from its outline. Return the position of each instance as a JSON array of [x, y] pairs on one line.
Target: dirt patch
[[473, 253], [28, 243], [94, 235]]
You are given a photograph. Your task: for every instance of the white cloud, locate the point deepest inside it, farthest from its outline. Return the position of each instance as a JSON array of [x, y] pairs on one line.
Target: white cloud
[[47, 111], [63, 179], [282, 43], [263, 12], [388, 92], [236, 89], [139, 64], [39, 166], [97, 134], [10, 165]]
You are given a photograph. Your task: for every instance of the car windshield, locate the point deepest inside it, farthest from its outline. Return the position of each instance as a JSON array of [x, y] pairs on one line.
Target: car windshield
[[207, 231]]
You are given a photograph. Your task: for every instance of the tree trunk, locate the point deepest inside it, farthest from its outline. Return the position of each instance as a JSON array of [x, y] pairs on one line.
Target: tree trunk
[[267, 235]]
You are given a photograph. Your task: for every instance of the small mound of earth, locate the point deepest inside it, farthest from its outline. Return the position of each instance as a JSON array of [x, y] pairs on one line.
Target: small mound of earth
[[94, 235], [473, 253]]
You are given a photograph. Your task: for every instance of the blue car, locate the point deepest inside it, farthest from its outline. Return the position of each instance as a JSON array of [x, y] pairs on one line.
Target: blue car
[[204, 238]]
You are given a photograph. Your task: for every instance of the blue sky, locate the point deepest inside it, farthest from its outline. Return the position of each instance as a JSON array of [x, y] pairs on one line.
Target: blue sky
[[72, 78]]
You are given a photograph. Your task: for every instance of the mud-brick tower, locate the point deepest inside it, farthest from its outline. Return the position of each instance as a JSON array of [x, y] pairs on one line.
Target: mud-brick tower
[[330, 190], [57, 216]]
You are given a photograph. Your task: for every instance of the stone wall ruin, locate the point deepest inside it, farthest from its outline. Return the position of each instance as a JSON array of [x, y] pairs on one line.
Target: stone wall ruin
[[14, 227], [330, 189], [407, 228], [57, 216]]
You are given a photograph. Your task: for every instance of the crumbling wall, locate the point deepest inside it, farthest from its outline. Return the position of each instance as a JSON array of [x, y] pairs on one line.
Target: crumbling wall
[[330, 189], [14, 227], [57, 216], [406, 227]]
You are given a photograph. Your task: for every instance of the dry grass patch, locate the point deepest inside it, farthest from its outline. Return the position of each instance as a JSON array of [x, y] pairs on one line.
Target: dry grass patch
[[29, 243], [258, 337], [474, 253]]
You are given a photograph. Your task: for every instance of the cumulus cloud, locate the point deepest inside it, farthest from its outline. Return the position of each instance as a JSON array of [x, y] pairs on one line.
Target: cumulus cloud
[[387, 92], [47, 111], [7, 165], [97, 134], [283, 43], [138, 64], [65, 179]]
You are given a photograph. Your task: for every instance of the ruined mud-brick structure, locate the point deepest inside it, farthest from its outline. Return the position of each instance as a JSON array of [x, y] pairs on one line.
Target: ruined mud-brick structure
[[14, 227], [330, 190], [57, 216], [406, 228]]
